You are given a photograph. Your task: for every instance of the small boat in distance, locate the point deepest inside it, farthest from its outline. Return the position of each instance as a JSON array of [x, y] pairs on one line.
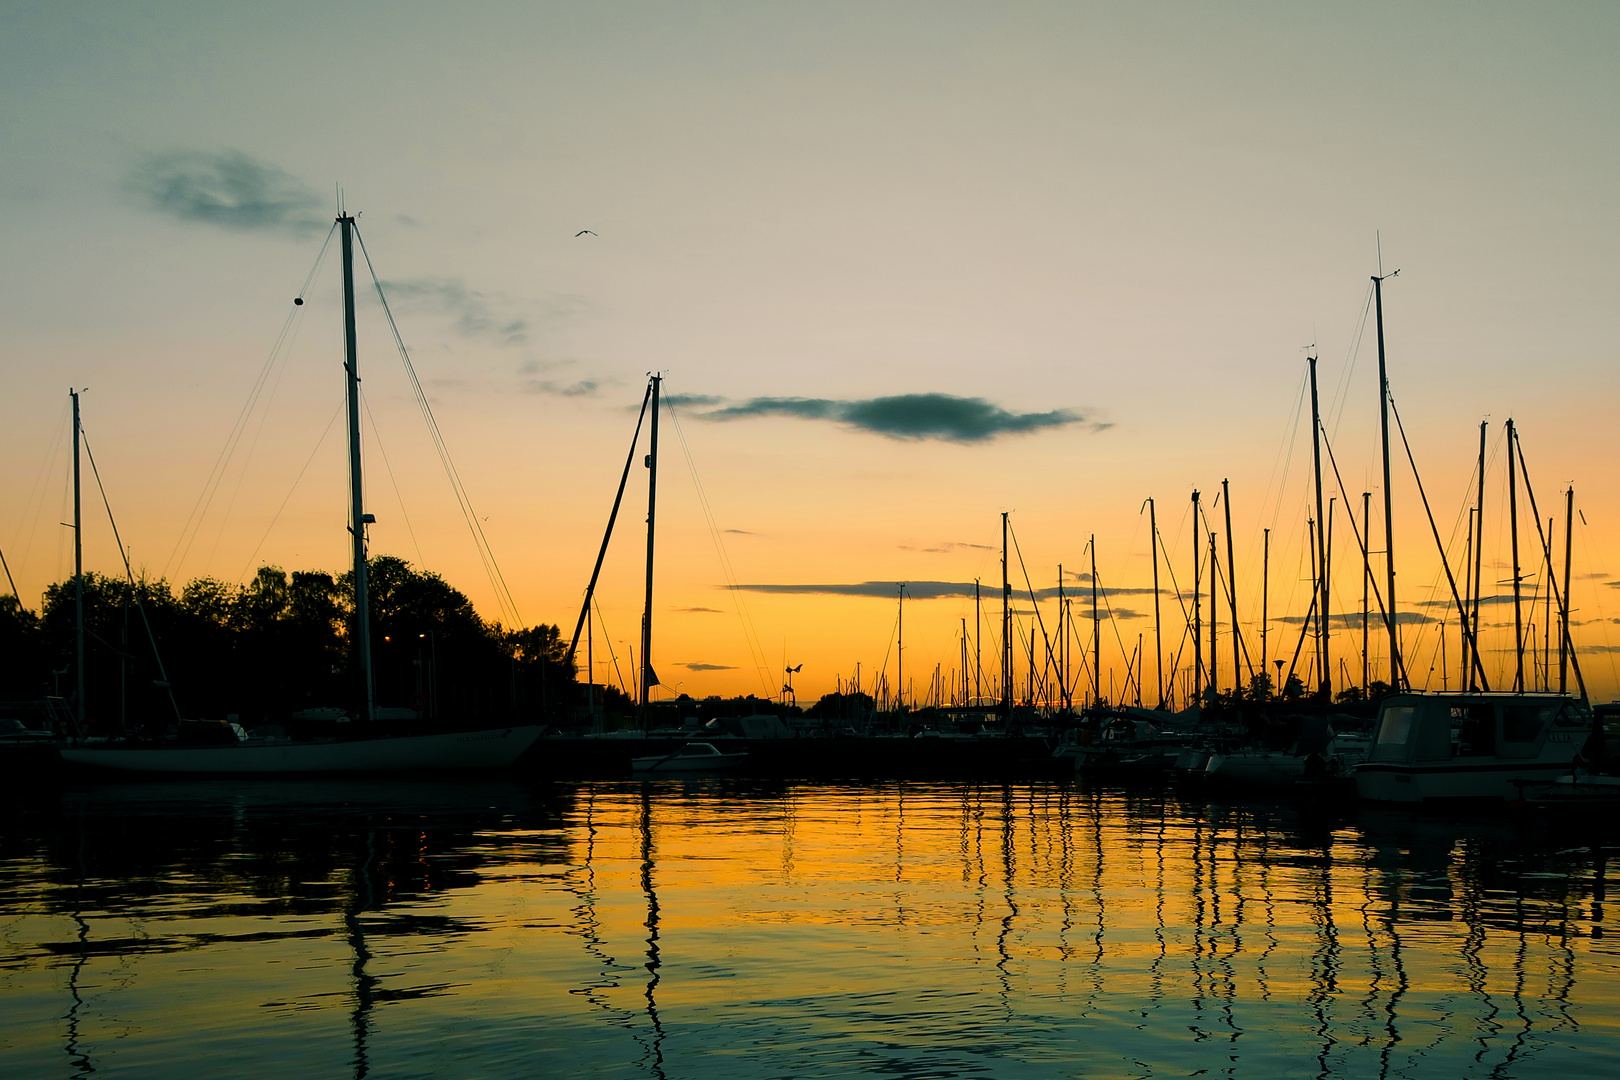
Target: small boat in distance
[[691, 757]]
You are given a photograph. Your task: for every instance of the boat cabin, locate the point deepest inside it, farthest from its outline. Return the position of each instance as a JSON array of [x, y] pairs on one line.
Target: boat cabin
[[1423, 727]]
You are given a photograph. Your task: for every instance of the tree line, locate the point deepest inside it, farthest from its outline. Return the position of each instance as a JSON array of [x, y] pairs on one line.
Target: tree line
[[280, 644]]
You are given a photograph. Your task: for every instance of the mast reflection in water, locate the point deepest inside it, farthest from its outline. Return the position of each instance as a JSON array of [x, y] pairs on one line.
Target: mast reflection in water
[[708, 928]]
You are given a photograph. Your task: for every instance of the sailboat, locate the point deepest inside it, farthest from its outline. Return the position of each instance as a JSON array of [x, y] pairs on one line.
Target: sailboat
[[368, 750]]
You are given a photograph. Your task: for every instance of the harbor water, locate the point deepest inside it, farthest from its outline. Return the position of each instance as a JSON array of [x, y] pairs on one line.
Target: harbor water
[[725, 928]]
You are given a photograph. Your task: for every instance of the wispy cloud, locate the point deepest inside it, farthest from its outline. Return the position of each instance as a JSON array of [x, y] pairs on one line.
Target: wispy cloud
[[1352, 619], [947, 547], [579, 388], [910, 417], [919, 590], [699, 610], [474, 312], [739, 532], [699, 665], [228, 189]]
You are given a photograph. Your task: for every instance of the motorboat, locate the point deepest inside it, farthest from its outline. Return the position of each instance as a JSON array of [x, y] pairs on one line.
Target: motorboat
[[690, 757], [1429, 747]]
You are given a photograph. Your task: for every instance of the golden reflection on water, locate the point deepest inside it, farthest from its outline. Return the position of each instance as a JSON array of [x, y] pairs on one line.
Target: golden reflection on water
[[710, 928]]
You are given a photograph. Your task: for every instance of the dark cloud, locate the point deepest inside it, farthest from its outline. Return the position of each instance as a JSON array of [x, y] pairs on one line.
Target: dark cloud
[[947, 547], [700, 610], [739, 532], [683, 401], [925, 590], [229, 189], [701, 666], [473, 311], [905, 416]]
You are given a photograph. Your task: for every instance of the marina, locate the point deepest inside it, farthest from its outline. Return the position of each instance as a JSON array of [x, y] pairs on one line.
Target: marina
[[913, 541]]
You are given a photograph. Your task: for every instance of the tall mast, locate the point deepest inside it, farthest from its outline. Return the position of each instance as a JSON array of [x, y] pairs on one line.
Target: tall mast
[[1214, 616], [1231, 582], [648, 679], [1265, 596], [1313, 618], [358, 518], [1563, 636], [1468, 593], [1479, 550], [900, 654], [1096, 631], [1321, 537], [1513, 531], [1396, 669], [1197, 626], [1366, 579], [964, 661], [1327, 617], [1158, 654], [1006, 627], [978, 629], [1063, 643], [78, 571]]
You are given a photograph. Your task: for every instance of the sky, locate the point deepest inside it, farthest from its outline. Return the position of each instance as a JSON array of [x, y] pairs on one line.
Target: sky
[[903, 268]]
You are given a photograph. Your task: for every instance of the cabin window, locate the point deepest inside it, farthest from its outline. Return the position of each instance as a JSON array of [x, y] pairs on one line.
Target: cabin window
[[1474, 729], [1523, 723], [1397, 725]]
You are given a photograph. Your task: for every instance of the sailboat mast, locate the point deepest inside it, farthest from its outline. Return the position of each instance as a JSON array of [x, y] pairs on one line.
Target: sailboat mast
[[1265, 596], [1063, 643], [1513, 531], [1321, 534], [1006, 627], [648, 680], [1366, 579], [1197, 624], [1396, 669], [1158, 649], [1096, 631], [78, 571], [1214, 616], [1563, 636], [1479, 551], [358, 517], [900, 655], [1231, 582], [978, 633]]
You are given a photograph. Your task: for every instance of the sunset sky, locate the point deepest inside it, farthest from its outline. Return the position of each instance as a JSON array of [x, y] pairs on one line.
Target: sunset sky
[[1096, 239]]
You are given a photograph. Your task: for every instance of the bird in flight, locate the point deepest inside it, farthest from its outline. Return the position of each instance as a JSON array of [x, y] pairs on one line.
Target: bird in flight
[[583, 232]]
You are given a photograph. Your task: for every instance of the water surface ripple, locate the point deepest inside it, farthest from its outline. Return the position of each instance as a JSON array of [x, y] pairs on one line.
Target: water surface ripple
[[711, 928]]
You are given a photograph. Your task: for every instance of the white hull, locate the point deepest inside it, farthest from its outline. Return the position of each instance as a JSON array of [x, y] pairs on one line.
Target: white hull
[[489, 749], [1500, 781]]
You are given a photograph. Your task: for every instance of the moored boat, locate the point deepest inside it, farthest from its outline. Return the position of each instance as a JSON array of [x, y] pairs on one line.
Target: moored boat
[[691, 757], [1483, 746]]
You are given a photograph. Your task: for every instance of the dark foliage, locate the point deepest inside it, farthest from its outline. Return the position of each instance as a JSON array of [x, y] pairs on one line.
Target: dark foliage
[[278, 644]]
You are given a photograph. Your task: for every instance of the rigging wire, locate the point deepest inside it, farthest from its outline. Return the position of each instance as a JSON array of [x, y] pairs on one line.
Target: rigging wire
[[750, 631], [486, 554], [607, 640], [288, 497], [216, 475], [123, 553], [38, 493], [376, 433]]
